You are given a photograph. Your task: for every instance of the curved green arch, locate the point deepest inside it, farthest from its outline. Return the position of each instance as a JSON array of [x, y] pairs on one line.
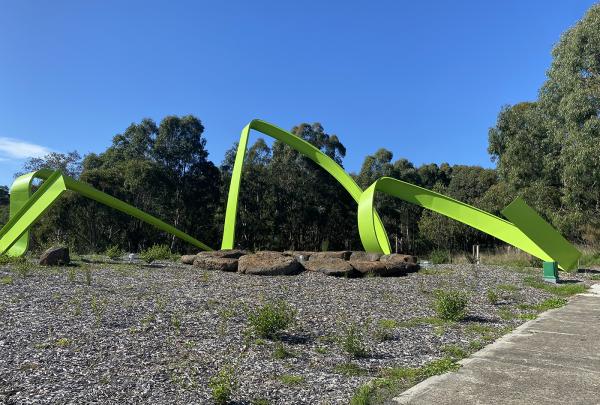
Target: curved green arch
[[26, 209], [307, 150], [531, 234]]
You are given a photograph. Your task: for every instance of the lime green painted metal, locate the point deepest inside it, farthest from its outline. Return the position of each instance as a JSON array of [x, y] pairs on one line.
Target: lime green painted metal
[[537, 237], [14, 235], [528, 231], [31, 210], [543, 234], [307, 150]]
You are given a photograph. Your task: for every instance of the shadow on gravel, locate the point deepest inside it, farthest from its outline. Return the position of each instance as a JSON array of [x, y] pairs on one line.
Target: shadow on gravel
[[296, 339], [569, 281], [588, 271], [477, 318]]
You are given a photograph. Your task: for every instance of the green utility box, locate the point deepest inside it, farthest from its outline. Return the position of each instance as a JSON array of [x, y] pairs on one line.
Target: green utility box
[[551, 272]]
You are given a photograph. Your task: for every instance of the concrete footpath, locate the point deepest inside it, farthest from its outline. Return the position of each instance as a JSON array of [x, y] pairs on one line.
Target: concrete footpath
[[554, 359]]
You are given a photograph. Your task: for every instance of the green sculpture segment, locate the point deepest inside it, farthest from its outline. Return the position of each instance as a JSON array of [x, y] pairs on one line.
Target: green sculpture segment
[[307, 150], [26, 209], [528, 231], [531, 234]]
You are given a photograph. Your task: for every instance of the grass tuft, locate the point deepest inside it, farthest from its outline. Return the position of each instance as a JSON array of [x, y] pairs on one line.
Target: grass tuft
[[561, 290], [450, 305], [270, 319]]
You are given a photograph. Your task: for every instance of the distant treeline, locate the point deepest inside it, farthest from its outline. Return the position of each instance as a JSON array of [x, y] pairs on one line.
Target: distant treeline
[[547, 151]]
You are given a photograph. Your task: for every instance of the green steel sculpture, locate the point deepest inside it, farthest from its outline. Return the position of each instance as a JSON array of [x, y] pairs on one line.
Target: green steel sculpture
[[27, 208], [528, 231]]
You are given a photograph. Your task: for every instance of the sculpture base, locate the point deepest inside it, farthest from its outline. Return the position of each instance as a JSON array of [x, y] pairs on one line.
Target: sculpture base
[[550, 272]]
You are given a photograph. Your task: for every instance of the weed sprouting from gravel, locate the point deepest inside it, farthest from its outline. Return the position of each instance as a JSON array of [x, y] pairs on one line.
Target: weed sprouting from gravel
[[384, 330], [454, 351], [269, 320], [349, 369], [176, 322], [98, 306], [280, 352], [76, 305], [561, 290], [71, 274], [321, 350], [222, 385], [492, 297], [352, 341], [6, 280], [63, 342], [362, 396], [23, 268], [397, 379], [289, 379], [88, 275], [450, 305]]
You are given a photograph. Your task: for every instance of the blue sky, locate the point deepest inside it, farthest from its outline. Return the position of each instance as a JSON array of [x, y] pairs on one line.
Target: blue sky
[[423, 79]]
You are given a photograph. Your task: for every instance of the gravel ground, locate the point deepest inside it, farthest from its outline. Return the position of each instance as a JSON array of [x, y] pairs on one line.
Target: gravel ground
[[157, 333]]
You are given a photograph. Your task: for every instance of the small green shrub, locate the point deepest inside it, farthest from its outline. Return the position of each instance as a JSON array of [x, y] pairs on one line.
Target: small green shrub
[[270, 319], [352, 341], [114, 252], [222, 385], [450, 305], [362, 396], [385, 329], [156, 252], [492, 297], [439, 256]]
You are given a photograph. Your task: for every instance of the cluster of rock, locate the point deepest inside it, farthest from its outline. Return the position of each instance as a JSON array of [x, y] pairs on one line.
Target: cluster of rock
[[340, 264]]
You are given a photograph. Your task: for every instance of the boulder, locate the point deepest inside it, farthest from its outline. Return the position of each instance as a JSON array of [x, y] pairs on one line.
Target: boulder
[[365, 256], [331, 267], [397, 257], [380, 269], [225, 253], [343, 254], [188, 259], [268, 263], [210, 262], [55, 256]]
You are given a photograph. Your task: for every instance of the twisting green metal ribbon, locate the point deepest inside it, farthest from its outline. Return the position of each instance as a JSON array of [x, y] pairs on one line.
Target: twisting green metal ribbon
[[528, 232], [531, 233], [307, 150], [26, 209]]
